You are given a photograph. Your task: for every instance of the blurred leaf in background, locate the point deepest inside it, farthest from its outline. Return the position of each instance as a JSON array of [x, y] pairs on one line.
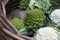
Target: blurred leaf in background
[[55, 3], [40, 4]]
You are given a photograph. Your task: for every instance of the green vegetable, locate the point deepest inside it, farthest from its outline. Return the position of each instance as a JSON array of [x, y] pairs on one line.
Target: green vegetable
[[34, 19], [41, 4], [17, 23], [24, 4]]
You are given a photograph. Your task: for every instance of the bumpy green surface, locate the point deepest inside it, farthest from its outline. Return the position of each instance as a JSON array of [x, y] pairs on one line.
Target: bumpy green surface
[[34, 19], [24, 4], [18, 23]]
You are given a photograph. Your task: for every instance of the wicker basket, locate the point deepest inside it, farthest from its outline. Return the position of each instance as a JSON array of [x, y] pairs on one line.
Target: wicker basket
[[7, 30]]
